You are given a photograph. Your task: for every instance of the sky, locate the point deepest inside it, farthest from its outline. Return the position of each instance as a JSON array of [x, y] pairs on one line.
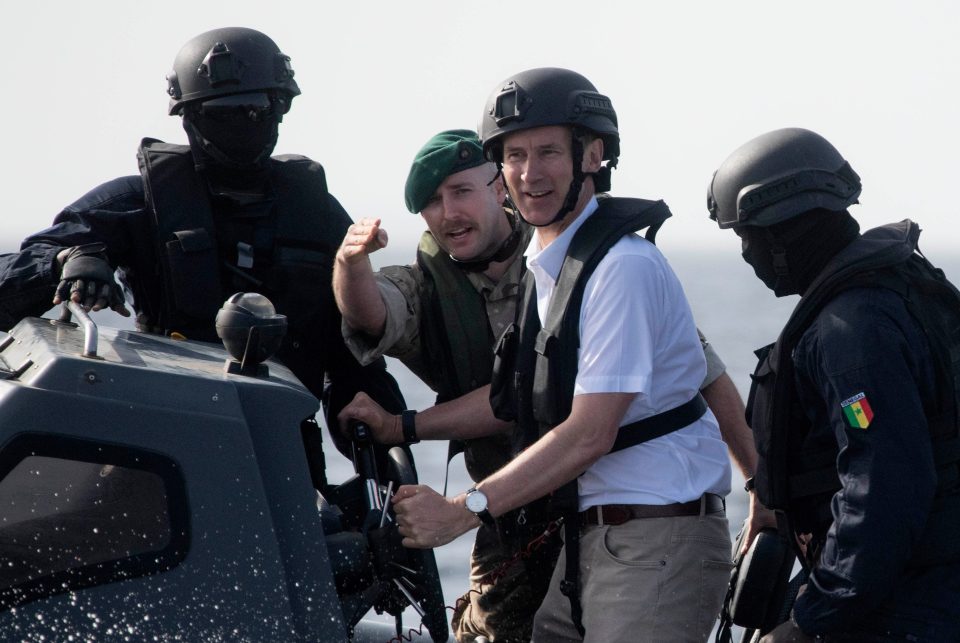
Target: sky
[[690, 81]]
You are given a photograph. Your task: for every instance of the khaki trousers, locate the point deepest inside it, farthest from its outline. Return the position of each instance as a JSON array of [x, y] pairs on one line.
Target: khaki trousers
[[652, 579]]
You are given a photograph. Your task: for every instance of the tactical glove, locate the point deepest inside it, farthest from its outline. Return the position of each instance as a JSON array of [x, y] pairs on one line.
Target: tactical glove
[[87, 278]]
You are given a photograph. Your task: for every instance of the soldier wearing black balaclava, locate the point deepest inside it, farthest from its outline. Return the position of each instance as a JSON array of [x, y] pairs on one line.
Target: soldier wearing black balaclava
[[204, 221], [855, 407]]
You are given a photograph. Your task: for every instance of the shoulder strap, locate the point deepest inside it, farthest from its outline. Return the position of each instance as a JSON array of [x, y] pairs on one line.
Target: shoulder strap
[[558, 342], [615, 219], [454, 330], [660, 424]]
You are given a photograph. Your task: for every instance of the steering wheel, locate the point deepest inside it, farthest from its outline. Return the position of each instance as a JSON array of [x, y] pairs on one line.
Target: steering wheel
[[402, 575], [428, 591]]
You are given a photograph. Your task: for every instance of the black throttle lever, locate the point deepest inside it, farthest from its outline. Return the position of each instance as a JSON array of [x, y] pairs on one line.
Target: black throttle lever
[[365, 463], [383, 539]]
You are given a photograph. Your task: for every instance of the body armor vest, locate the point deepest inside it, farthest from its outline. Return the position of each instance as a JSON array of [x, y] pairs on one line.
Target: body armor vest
[[454, 328], [295, 247], [537, 366], [796, 474], [456, 339]]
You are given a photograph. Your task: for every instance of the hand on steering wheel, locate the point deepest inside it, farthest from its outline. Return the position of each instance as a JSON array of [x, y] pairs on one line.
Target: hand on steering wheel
[[408, 573]]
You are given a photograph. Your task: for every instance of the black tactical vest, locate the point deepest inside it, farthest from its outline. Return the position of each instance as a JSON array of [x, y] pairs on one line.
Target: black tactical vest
[[302, 235], [797, 474], [536, 366]]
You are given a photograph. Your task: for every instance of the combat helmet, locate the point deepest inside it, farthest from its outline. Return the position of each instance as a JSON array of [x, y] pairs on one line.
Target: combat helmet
[[227, 61], [547, 96], [779, 175], [552, 96]]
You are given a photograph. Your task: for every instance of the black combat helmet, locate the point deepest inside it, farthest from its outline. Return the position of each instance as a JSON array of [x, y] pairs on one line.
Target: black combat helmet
[[779, 175], [223, 62], [552, 96], [547, 96]]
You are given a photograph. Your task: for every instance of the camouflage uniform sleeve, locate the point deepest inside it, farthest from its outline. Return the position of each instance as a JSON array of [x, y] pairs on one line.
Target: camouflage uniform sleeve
[[400, 288], [715, 365]]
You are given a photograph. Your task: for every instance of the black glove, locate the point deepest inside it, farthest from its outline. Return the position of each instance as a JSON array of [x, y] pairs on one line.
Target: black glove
[[87, 278]]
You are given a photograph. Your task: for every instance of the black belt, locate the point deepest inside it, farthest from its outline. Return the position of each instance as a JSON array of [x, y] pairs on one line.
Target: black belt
[[709, 503]]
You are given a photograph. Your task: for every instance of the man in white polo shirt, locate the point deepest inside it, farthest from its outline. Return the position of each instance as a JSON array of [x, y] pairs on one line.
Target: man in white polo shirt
[[604, 387]]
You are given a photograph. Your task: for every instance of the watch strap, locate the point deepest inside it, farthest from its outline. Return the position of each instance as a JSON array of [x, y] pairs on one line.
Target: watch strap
[[409, 426]]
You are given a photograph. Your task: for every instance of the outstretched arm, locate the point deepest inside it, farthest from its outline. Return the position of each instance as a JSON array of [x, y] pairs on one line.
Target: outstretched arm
[[112, 214], [28, 280], [354, 285], [468, 416]]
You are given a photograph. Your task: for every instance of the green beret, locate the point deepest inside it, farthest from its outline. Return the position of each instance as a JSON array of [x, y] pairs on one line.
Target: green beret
[[446, 153]]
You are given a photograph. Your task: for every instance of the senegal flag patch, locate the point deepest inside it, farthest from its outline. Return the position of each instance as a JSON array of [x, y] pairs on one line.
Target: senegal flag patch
[[857, 411]]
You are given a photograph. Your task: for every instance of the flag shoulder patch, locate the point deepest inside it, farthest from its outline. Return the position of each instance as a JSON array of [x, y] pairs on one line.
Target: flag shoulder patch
[[857, 411]]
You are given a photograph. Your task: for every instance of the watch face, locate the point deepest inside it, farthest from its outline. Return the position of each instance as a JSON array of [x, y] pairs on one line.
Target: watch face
[[476, 501]]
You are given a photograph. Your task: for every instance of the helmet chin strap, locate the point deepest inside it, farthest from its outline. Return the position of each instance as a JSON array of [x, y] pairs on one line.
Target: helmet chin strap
[[573, 192]]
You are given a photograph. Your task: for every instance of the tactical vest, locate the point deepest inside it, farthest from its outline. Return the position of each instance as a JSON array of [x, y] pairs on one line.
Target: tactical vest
[[536, 367], [457, 343], [454, 329], [301, 235], [797, 474]]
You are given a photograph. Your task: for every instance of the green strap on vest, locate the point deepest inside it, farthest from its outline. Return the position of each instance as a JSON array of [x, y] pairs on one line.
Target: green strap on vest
[[456, 340], [454, 329]]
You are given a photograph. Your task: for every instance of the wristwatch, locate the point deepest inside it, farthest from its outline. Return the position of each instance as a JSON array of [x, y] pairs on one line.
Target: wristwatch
[[749, 485], [476, 502]]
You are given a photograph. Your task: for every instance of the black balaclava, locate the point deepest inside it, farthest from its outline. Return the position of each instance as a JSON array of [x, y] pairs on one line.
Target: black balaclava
[[788, 256], [232, 147]]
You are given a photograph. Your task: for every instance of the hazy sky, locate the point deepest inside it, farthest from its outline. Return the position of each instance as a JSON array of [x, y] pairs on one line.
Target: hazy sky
[[84, 81]]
